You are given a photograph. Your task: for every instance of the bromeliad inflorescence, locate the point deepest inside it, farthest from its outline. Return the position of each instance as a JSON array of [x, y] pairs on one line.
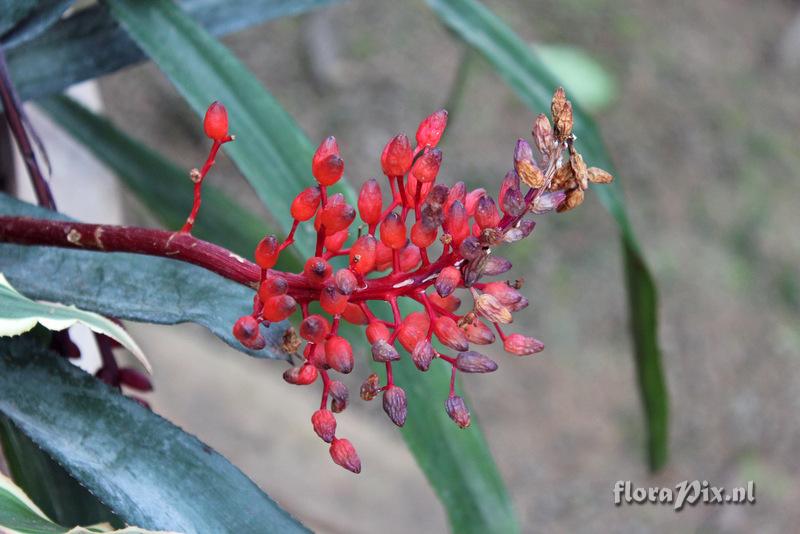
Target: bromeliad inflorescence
[[423, 243]]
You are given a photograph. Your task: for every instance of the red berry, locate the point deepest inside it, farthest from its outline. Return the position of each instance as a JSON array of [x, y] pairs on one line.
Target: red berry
[[246, 329], [335, 242], [339, 354], [331, 300], [267, 252], [362, 254], [329, 170], [395, 405], [316, 269], [486, 213], [522, 345], [344, 454], [370, 202], [426, 167], [301, 376], [272, 286], [353, 314], [215, 122], [278, 308], [305, 204], [397, 156], [431, 128], [393, 231], [314, 328], [447, 281], [422, 235], [324, 424], [376, 331], [336, 214], [413, 328], [457, 410], [448, 332]]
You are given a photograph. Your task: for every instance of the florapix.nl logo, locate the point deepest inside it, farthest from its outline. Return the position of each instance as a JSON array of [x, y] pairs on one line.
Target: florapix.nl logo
[[691, 492]]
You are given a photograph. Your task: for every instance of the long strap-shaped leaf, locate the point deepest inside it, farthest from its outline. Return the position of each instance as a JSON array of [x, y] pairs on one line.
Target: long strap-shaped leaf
[[458, 463], [513, 59], [149, 471]]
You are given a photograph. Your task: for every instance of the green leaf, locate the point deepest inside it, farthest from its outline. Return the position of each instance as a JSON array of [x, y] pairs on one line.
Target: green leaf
[[528, 76], [130, 286], [584, 79], [161, 186], [461, 470], [90, 43], [31, 23], [19, 314], [147, 470]]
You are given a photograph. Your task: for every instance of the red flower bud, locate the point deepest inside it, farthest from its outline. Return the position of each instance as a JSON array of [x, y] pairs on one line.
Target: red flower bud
[[305, 204], [339, 354], [272, 286], [353, 314], [478, 333], [511, 181], [422, 355], [345, 281], [393, 231], [317, 270], [395, 405], [456, 223], [336, 214], [470, 248], [246, 329], [411, 191], [370, 387], [339, 396], [314, 328], [448, 332], [475, 362], [362, 254], [325, 150], [522, 345], [278, 308], [409, 257], [496, 265], [430, 130], [315, 355], [397, 156], [451, 303], [267, 252], [215, 122], [486, 213], [503, 292], [329, 170], [376, 331], [324, 424], [422, 235], [447, 281], [301, 376], [331, 300], [457, 410], [457, 192], [344, 455], [335, 242], [472, 200], [383, 352], [383, 257], [413, 328], [513, 203], [426, 167], [370, 201], [135, 379]]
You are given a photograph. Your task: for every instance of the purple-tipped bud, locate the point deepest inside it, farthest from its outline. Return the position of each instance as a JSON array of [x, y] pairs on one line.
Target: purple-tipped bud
[[513, 203], [548, 201], [496, 265], [448, 332], [395, 405], [370, 387], [255, 344], [478, 333], [521, 231], [470, 248], [457, 410], [324, 424], [486, 213], [344, 455], [447, 281], [522, 345], [521, 304], [423, 355], [503, 292], [135, 379], [475, 362], [383, 352], [339, 396], [301, 376], [397, 156], [345, 281]]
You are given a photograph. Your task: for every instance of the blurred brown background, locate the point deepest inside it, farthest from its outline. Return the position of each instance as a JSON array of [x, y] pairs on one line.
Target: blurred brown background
[[703, 127]]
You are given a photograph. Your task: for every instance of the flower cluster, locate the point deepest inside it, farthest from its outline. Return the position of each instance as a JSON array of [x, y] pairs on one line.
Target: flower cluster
[[418, 240]]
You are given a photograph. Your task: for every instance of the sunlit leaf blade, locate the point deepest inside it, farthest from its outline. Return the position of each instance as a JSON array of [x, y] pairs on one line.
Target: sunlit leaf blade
[[161, 186], [90, 43], [465, 478], [19, 314], [150, 472], [130, 286], [534, 84]]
